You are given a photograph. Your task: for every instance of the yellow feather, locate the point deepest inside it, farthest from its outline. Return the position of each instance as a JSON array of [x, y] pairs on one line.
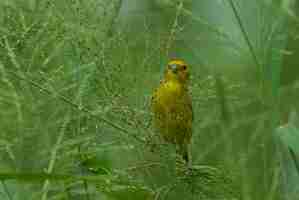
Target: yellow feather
[[172, 108]]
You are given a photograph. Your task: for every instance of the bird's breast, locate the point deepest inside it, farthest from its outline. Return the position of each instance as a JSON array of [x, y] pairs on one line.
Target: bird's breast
[[170, 95]]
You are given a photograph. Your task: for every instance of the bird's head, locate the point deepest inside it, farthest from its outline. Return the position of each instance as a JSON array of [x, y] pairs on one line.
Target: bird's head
[[177, 70]]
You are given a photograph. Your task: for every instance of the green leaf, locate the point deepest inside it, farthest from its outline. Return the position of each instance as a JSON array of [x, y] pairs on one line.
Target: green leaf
[[289, 135]]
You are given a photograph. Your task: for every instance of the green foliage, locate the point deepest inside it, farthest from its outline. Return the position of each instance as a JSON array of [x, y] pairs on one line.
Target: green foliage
[[288, 139], [76, 78], [289, 135]]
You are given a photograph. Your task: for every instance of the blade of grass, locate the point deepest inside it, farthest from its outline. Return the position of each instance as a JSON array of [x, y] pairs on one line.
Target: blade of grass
[[6, 190], [33, 177]]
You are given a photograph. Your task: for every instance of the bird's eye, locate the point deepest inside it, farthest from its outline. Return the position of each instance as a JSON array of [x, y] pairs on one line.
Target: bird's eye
[[184, 67]]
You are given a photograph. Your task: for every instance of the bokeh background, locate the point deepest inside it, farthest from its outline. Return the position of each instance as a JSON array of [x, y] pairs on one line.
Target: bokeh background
[[76, 79]]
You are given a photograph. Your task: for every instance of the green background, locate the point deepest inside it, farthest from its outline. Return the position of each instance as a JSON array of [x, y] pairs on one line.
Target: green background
[[76, 79]]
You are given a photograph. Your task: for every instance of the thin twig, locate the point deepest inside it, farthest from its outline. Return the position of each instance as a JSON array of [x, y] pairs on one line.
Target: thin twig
[[74, 105], [32, 177], [175, 28], [146, 165], [54, 156], [245, 34], [209, 26], [79, 100], [250, 46]]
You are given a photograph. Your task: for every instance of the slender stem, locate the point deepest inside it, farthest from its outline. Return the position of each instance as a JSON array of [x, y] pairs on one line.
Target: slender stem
[[53, 159], [293, 155], [246, 37], [32, 177], [6, 190], [74, 105]]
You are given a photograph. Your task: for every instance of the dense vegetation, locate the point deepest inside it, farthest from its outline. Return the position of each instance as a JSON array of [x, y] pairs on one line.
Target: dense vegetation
[[76, 79]]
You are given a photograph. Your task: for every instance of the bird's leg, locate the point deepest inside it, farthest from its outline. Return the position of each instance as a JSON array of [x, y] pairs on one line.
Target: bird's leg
[[184, 151], [182, 159]]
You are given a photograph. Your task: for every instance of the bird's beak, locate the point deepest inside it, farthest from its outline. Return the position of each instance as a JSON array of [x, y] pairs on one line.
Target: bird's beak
[[174, 68]]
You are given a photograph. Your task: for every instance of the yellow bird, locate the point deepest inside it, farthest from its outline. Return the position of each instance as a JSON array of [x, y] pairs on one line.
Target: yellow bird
[[172, 107]]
